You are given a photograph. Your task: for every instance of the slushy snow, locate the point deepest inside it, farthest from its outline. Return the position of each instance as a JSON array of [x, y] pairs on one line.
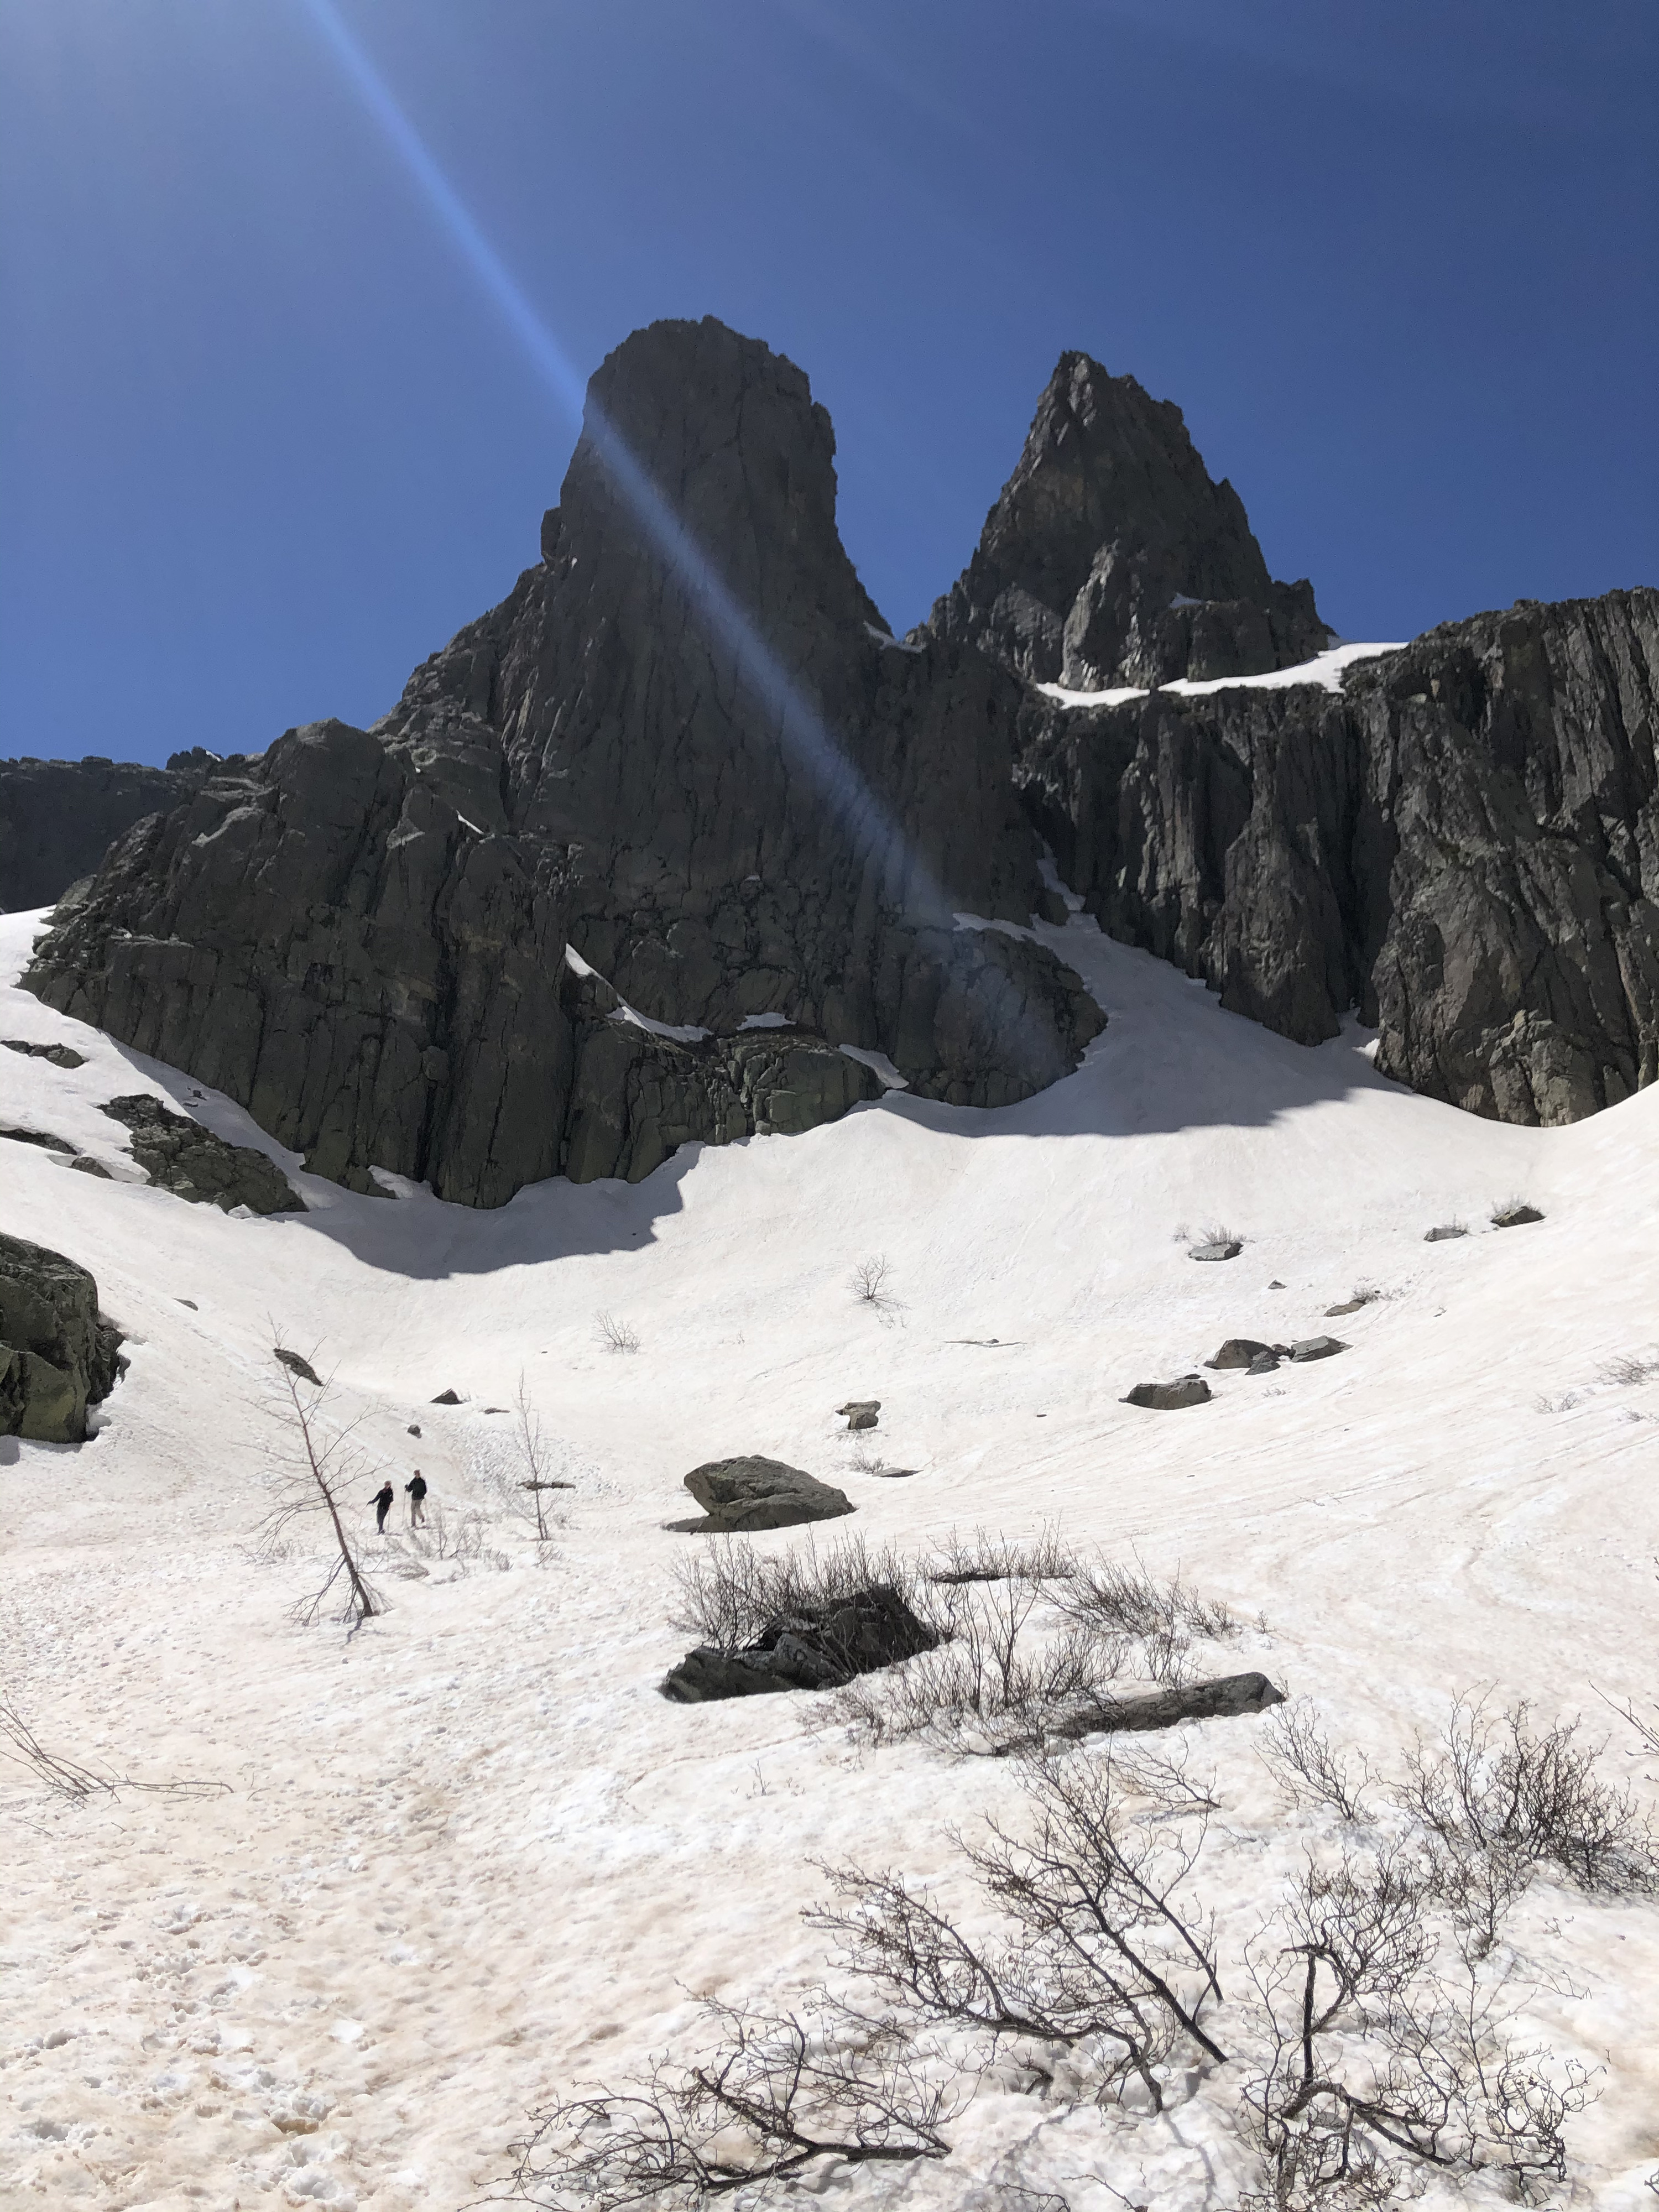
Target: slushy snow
[[468, 1860]]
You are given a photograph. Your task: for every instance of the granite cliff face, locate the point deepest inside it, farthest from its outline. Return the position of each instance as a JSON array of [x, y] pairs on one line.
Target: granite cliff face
[[639, 852], [1463, 845], [59, 818], [685, 748], [1111, 558]]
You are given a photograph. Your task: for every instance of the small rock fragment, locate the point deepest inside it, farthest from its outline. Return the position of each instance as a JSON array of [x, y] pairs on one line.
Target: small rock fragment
[[85, 1163], [447, 1398], [1228, 1249], [1445, 1232], [1513, 1216], [414, 1429], [1316, 1347], [860, 1411]]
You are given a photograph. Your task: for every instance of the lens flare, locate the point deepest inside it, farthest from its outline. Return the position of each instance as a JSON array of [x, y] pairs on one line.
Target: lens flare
[[845, 791]]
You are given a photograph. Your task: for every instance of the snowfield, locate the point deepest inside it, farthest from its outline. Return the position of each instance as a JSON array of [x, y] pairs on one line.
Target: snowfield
[[468, 1859]]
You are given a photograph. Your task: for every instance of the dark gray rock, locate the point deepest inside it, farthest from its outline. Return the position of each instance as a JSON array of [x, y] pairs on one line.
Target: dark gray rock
[[1238, 1351], [1265, 1362], [1225, 1248], [1112, 559], [60, 1056], [1316, 1347], [58, 1353], [821, 1651], [861, 1413], [414, 1429], [180, 1156], [1169, 1397], [760, 1494], [59, 818], [1227, 1697], [84, 1163], [361, 936], [447, 1398], [1446, 1232], [1515, 1216], [1462, 848], [297, 1365], [1348, 1306], [37, 1137]]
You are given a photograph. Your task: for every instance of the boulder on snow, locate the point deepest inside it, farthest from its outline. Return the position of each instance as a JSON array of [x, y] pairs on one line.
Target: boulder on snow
[[58, 1353], [1265, 1362], [447, 1398], [60, 1056], [1348, 1306], [1238, 1351], [1227, 1248], [1224, 1697], [1445, 1232], [820, 1651], [1513, 1216], [1169, 1397], [296, 1366], [748, 1493], [87, 1165], [1316, 1347], [860, 1411], [180, 1156]]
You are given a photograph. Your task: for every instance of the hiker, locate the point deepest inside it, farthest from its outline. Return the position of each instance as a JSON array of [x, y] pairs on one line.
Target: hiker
[[417, 1500], [382, 1501]]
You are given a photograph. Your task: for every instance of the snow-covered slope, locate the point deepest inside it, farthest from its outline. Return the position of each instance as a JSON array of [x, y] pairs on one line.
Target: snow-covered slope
[[469, 1858]]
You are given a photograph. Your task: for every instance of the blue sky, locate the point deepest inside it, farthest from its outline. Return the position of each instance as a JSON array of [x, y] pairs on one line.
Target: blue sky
[[267, 437]]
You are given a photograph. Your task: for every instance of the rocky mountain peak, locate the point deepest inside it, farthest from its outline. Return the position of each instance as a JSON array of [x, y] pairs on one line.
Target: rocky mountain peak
[[727, 435], [1112, 558]]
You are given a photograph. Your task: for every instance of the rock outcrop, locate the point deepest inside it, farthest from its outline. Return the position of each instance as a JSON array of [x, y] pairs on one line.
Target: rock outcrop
[[179, 1155], [1462, 847], [58, 1353], [59, 818], [684, 747], [1112, 559]]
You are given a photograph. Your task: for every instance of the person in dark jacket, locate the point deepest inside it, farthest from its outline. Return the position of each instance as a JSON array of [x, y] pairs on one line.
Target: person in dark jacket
[[416, 1490], [382, 1501]]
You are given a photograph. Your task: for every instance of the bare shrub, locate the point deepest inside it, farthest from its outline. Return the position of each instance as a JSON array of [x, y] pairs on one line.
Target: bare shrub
[[1160, 1621], [775, 2091], [615, 1335], [1494, 1787], [871, 1282], [68, 1779], [982, 1690], [863, 1461], [1631, 1369], [1380, 2057], [538, 1479], [729, 1592], [985, 1558], [317, 1465], [1098, 1951], [458, 1536], [1646, 1726], [1308, 1768]]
